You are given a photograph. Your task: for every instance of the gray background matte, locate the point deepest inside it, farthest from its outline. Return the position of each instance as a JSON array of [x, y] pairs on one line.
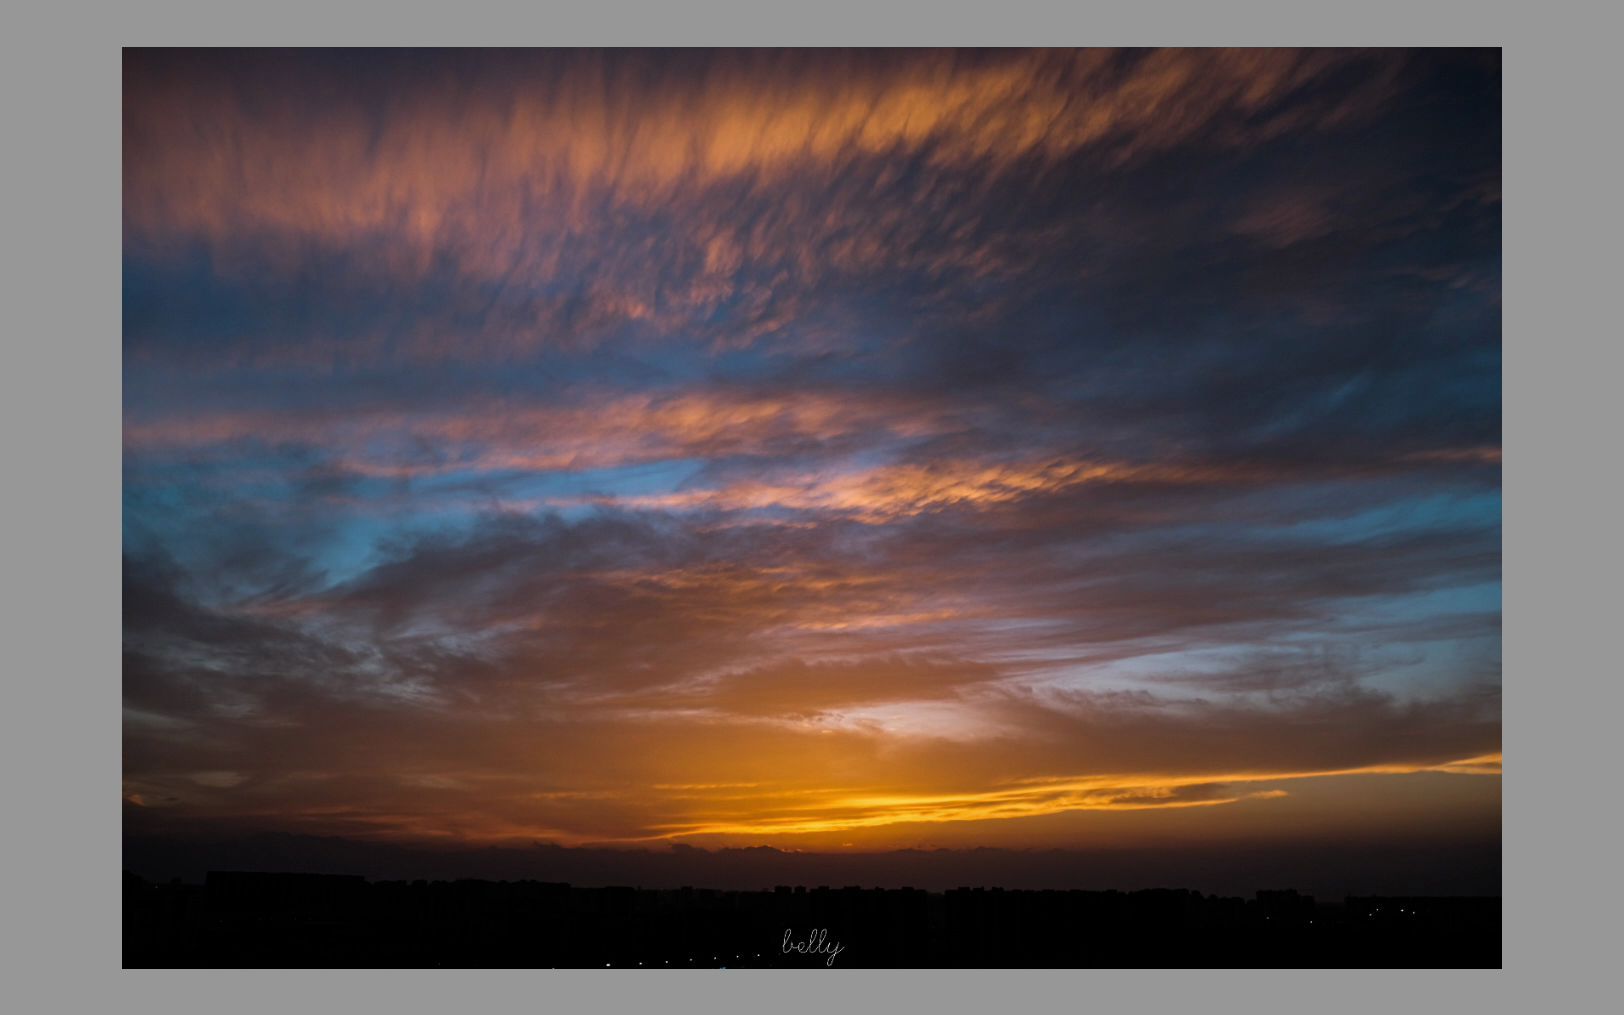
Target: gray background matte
[[60, 378]]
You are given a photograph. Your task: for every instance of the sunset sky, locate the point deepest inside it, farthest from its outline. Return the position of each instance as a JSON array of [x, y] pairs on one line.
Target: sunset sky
[[820, 450]]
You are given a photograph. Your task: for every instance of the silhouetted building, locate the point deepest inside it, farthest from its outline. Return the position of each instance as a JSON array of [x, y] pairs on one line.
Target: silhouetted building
[[273, 919]]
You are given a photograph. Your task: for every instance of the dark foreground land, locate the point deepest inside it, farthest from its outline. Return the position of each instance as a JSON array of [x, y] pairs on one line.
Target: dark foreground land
[[242, 919]]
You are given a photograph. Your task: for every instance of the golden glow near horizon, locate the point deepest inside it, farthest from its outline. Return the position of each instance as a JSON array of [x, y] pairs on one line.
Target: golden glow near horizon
[[776, 812], [1046, 796]]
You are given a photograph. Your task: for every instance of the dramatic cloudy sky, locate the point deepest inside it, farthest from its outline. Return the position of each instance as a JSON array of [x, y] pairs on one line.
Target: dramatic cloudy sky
[[821, 450]]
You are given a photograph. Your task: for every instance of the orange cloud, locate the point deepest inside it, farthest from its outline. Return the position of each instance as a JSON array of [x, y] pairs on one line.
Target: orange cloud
[[618, 430], [887, 492], [444, 155], [512, 177]]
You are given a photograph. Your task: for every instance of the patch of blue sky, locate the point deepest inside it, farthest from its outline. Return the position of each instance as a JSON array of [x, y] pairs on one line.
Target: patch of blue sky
[[1432, 511], [558, 488], [1335, 513]]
